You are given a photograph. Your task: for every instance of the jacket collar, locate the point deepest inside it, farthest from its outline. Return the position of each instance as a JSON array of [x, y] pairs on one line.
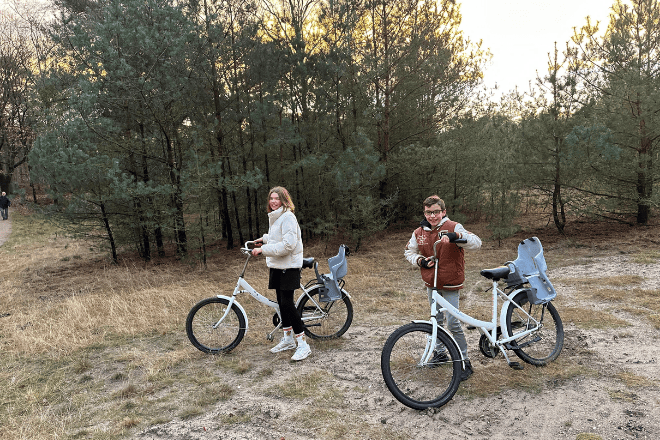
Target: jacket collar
[[427, 226], [274, 215]]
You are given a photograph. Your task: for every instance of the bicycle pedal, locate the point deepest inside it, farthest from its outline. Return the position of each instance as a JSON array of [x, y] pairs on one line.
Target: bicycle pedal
[[516, 366]]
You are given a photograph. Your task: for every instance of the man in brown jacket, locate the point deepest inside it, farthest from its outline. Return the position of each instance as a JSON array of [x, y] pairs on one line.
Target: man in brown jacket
[[437, 227]]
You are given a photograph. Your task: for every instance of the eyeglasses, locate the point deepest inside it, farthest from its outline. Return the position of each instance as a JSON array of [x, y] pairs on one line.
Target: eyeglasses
[[430, 213]]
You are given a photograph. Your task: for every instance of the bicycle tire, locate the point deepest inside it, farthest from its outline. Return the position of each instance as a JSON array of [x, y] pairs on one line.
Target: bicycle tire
[[330, 321], [539, 347], [415, 385], [201, 329]]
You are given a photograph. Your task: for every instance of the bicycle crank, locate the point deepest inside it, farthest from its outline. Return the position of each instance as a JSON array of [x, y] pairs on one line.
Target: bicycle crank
[[486, 348]]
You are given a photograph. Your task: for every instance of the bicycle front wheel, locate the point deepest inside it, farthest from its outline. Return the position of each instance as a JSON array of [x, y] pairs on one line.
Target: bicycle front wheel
[[207, 333], [413, 382], [325, 320], [544, 344]]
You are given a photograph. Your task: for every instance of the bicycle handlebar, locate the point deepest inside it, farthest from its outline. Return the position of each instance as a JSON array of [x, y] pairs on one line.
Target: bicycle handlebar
[[246, 248]]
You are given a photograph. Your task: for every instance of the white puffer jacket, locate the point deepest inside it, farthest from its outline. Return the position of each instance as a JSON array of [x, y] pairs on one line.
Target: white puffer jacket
[[283, 245]]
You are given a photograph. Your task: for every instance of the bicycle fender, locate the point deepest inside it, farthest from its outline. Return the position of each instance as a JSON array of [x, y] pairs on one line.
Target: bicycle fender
[[237, 304], [443, 330], [505, 310]]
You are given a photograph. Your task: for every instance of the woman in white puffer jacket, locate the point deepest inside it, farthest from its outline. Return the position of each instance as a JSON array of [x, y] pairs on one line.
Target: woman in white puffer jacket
[[283, 249]]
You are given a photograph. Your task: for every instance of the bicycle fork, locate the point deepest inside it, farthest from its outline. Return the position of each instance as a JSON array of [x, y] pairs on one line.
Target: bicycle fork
[[431, 340]]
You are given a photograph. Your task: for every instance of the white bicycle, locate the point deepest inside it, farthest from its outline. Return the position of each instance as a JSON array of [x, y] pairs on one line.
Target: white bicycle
[[218, 324], [529, 325]]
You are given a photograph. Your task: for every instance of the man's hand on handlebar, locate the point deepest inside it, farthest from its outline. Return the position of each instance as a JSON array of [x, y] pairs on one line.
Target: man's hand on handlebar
[[426, 263], [452, 237]]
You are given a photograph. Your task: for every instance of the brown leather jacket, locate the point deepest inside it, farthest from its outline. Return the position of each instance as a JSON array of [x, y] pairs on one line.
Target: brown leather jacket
[[451, 260]]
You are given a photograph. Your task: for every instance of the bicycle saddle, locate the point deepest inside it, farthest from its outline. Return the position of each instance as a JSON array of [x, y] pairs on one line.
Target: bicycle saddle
[[308, 263], [496, 274]]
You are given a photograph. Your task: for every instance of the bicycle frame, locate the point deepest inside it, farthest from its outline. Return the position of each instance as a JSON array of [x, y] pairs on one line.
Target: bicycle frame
[[489, 329], [242, 286]]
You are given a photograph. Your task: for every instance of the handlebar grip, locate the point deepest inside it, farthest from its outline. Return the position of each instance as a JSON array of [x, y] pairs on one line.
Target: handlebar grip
[[246, 248], [460, 240]]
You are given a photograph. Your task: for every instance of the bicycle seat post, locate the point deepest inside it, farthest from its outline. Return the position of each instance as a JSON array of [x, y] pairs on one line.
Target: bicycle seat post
[[495, 311]]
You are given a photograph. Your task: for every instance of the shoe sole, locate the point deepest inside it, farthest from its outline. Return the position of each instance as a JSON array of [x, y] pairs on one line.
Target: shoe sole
[[273, 350], [301, 356]]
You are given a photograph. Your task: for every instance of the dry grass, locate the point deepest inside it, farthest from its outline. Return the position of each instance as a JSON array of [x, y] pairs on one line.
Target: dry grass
[[75, 329], [591, 319], [74, 334], [622, 292], [496, 377]]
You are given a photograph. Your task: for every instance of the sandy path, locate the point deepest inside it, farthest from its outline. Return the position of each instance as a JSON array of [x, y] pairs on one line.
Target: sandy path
[[5, 230]]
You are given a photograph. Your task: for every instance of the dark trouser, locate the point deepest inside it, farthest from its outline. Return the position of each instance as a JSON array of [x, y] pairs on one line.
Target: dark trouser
[[285, 282], [290, 317], [5, 213]]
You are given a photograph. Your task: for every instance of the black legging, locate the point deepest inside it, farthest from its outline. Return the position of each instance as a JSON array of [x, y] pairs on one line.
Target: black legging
[[290, 317]]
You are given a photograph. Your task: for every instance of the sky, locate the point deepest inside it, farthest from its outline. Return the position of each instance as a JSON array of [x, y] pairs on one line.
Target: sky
[[521, 33]]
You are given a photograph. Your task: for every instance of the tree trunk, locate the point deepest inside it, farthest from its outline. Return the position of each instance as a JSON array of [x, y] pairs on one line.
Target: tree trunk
[[32, 187], [238, 217], [177, 202], [5, 181], [644, 178], [558, 210], [158, 233], [108, 230], [222, 191]]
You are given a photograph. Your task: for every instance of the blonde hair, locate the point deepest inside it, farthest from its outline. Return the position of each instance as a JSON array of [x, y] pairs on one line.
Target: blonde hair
[[285, 198]]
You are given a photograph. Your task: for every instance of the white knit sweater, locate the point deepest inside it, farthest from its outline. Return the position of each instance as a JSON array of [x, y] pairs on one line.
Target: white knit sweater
[[283, 245]]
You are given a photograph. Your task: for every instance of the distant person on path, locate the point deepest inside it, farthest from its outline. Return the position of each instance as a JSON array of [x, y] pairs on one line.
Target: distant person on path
[[4, 206], [283, 249], [451, 266]]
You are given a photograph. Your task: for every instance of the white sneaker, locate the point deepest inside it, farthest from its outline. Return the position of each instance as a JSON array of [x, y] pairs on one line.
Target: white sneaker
[[285, 344], [302, 352]]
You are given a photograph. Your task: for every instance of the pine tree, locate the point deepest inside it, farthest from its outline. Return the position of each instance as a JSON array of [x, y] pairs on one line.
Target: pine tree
[[621, 70]]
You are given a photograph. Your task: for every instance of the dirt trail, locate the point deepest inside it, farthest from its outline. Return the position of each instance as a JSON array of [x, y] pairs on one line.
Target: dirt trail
[[597, 402], [5, 230]]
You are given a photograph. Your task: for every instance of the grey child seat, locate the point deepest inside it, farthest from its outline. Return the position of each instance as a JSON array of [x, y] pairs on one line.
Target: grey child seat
[[338, 269], [530, 267]]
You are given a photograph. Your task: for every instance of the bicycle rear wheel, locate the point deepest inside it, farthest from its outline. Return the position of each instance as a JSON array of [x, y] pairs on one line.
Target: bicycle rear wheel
[[414, 383], [209, 335], [328, 320], [542, 345]]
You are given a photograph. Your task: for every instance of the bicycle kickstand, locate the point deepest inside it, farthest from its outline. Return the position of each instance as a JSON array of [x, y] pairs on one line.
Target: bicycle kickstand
[[512, 364]]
